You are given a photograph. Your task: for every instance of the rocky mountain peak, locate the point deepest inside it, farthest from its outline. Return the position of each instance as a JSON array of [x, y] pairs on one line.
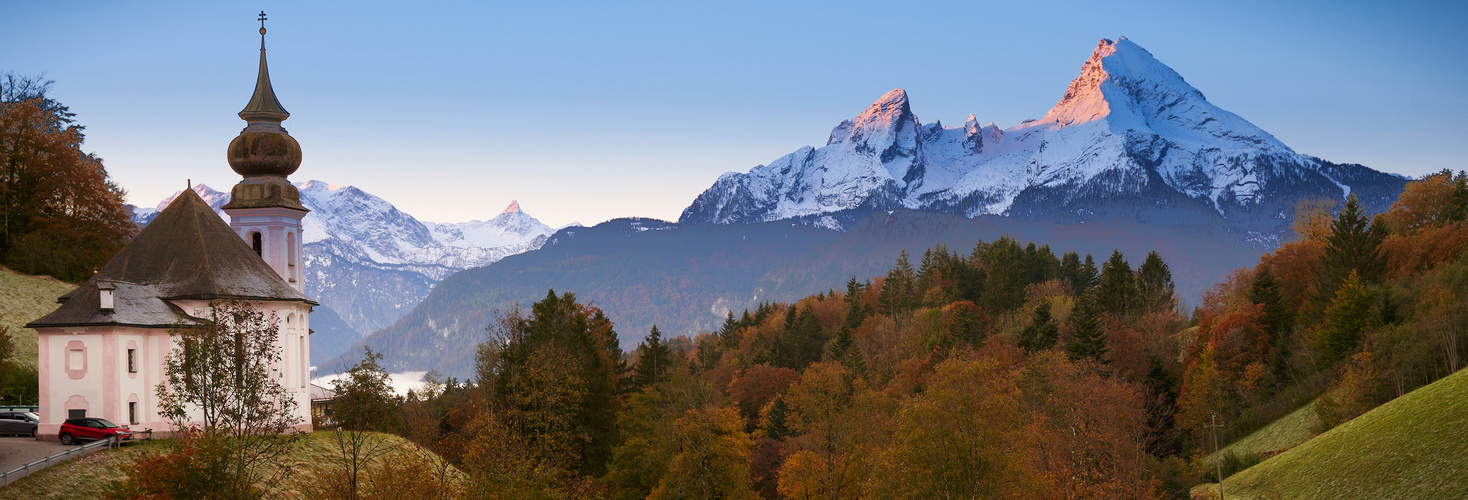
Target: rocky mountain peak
[[514, 207]]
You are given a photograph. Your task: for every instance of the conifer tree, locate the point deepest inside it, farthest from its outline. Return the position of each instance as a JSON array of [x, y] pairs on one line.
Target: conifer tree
[[1087, 340], [1070, 269], [729, 333], [1090, 277], [653, 360], [854, 312], [1352, 246], [801, 343], [1154, 284], [1117, 291], [897, 292], [1278, 319], [1457, 209], [1347, 318], [1004, 270], [1042, 332]]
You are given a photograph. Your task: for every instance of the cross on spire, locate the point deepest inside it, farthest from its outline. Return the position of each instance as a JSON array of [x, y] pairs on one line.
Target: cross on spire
[[262, 19]]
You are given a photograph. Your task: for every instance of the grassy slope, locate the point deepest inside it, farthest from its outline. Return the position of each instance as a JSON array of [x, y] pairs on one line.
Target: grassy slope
[[88, 477], [23, 298], [1288, 431], [1410, 447]]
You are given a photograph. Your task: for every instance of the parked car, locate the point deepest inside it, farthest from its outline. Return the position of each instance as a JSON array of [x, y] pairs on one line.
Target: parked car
[[19, 423], [75, 430]]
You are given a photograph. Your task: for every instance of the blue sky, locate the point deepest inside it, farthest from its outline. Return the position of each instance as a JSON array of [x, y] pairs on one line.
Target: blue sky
[[586, 111]]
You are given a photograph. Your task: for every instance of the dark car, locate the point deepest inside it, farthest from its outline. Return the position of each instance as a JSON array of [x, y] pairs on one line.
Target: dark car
[[18, 423], [75, 430]]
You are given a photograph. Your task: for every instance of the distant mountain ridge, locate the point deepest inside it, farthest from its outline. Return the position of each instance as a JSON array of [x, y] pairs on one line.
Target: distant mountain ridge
[[684, 278], [1128, 140], [370, 263]]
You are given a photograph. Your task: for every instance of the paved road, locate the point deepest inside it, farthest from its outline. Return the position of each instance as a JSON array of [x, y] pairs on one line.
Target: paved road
[[18, 451]]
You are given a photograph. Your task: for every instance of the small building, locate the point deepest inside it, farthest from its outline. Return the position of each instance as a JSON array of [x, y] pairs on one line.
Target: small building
[[104, 350], [321, 399]]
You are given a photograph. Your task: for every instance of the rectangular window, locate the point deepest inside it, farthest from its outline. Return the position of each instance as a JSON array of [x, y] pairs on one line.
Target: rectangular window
[[75, 359], [132, 360], [76, 413], [132, 412]]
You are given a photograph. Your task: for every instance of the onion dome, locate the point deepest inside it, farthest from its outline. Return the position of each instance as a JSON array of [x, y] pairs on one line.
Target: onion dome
[[263, 148]]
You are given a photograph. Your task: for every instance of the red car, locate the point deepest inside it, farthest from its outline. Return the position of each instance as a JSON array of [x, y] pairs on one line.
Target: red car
[[75, 430]]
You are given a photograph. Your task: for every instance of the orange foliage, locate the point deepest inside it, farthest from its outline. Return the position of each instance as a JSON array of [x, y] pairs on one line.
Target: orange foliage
[[1085, 439], [830, 312], [1296, 266], [1312, 219], [1127, 347], [1238, 338], [758, 385], [1424, 249], [1231, 293], [1421, 204]]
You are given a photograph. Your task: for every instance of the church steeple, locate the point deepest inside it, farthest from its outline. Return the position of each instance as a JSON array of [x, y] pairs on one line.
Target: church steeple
[[265, 208], [263, 106]]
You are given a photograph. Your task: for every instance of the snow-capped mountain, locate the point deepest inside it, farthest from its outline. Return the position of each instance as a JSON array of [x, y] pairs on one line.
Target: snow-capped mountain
[[371, 263], [1129, 140]]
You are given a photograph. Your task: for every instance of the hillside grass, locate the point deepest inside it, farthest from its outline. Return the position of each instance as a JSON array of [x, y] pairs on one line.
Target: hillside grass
[[23, 299], [89, 477], [1411, 447], [1290, 430]]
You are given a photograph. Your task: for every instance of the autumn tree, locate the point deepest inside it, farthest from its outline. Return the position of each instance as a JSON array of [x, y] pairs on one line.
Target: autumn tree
[[641, 457], [60, 214], [965, 324], [1205, 392], [1085, 432], [830, 458], [712, 459], [220, 382], [364, 404], [958, 439], [555, 375]]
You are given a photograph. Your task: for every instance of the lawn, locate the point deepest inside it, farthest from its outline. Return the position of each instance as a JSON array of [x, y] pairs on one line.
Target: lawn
[[1411, 447], [1290, 430], [23, 299], [88, 477]]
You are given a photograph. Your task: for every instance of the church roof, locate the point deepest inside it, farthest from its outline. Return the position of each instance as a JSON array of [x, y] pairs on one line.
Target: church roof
[[187, 252]]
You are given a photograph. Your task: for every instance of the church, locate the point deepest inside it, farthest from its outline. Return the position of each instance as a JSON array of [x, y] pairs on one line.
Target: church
[[103, 351]]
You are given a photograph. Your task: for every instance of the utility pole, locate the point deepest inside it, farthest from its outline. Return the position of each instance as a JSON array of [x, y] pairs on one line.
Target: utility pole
[[1217, 459]]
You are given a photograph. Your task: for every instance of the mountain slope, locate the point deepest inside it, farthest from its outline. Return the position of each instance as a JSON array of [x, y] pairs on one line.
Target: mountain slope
[[1129, 140], [1410, 447], [369, 263], [685, 278], [23, 298]]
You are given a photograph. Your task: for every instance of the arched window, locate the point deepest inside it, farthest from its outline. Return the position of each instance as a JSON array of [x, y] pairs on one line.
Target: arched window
[[290, 252], [256, 243]]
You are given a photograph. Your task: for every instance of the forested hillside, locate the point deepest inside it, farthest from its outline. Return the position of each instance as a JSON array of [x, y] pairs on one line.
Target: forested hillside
[[686, 278], [1000, 371]]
